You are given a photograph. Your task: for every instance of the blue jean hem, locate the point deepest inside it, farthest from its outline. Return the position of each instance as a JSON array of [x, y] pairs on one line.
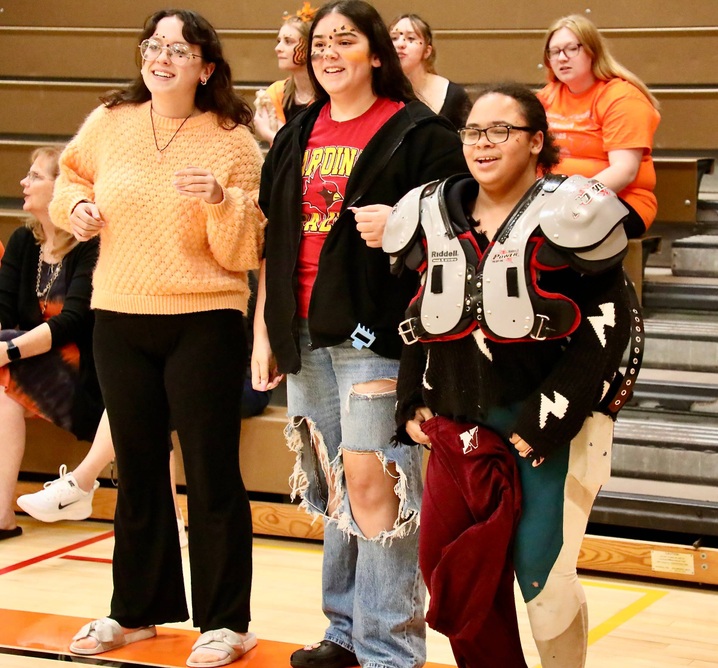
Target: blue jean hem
[[341, 641]]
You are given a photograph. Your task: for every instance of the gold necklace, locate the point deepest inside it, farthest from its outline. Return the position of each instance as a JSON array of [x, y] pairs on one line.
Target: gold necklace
[[154, 134], [44, 293]]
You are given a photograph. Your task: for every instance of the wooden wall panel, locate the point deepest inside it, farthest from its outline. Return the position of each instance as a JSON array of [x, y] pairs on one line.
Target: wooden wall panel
[[676, 57], [260, 14], [659, 58], [528, 14], [477, 42], [264, 457], [249, 14], [110, 55], [52, 109], [55, 108], [688, 117], [689, 120], [69, 54]]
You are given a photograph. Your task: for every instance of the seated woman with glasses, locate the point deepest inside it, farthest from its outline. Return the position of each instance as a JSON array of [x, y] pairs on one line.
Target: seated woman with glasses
[[166, 172], [46, 365], [602, 115], [414, 44]]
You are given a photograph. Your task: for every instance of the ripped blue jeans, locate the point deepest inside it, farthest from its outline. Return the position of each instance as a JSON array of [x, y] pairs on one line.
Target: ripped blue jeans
[[372, 592]]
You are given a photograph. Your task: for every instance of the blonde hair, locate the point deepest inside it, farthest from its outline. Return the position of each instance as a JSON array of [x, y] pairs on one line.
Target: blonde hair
[[603, 65], [422, 29], [301, 22], [64, 241]]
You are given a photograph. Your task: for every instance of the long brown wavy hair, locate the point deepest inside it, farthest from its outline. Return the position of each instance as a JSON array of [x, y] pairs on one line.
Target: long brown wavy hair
[[217, 95]]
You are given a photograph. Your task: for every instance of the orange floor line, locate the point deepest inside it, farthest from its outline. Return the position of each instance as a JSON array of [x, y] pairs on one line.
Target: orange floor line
[[38, 632]]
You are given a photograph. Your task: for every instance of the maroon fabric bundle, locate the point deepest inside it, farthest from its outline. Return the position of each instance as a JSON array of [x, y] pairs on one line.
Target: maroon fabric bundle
[[470, 509]]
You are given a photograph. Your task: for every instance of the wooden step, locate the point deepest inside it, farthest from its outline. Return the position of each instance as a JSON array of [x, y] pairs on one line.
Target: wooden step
[[663, 292], [673, 389], [667, 446], [678, 181], [696, 256], [265, 460]]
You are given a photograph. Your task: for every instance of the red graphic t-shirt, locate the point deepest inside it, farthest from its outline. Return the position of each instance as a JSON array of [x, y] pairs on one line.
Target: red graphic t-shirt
[[330, 156]]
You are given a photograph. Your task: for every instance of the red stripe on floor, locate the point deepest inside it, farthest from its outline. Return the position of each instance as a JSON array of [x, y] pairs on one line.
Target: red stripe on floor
[[96, 560], [56, 553]]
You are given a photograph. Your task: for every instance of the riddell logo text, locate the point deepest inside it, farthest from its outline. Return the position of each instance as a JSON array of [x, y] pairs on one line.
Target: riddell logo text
[[444, 254]]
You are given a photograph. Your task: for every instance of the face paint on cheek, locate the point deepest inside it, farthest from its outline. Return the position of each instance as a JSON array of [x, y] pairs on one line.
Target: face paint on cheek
[[299, 55], [316, 54], [357, 57]]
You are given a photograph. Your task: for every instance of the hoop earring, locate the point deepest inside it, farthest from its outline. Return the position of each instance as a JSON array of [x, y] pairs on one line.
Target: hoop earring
[[203, 82]]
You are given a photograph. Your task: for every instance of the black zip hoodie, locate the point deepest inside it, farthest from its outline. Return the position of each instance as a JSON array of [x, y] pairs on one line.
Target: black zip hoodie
[[354, 285]]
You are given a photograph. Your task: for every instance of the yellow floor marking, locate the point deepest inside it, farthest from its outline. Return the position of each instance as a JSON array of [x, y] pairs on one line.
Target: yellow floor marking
[[650, 596]]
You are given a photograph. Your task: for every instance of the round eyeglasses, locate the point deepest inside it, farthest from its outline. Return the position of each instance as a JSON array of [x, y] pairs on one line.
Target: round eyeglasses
[[496, 134], [32, 176], [178, 53], [570, 51]]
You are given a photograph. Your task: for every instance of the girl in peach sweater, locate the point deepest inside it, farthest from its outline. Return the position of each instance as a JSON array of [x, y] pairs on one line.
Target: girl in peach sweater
[[166, 173]]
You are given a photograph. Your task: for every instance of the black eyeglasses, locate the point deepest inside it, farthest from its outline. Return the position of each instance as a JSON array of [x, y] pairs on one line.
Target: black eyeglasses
[[496, 134], [570, 51]]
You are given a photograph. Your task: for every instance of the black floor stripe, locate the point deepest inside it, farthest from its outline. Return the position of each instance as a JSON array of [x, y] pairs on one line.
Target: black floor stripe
[[75, 658]]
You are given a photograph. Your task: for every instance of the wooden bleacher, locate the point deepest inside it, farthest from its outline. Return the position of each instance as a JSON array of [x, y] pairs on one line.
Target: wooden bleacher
[[60, 55]]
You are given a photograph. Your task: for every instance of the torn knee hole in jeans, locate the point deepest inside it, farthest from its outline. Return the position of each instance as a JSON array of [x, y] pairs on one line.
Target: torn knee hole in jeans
[[407, 519], [304, 439], [371, 389]]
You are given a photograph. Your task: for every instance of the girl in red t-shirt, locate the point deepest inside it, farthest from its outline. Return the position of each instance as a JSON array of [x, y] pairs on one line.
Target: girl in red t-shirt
[[331, 318]]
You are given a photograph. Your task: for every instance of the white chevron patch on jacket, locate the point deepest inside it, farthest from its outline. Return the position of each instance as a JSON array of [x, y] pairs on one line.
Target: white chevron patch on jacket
[[557, 407], [601, 322]]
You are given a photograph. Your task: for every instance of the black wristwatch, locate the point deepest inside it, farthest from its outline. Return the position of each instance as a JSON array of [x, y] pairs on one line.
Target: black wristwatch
[[13, 352]]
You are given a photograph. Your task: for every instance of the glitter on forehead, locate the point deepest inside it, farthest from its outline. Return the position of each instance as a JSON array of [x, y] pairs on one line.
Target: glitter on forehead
[[395, 34]]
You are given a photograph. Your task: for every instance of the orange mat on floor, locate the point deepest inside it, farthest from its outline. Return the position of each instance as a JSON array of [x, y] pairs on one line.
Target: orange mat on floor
[[37, 632]]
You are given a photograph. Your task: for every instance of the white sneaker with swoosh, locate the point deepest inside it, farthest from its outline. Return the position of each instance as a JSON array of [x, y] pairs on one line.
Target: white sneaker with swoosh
[[61, 499]]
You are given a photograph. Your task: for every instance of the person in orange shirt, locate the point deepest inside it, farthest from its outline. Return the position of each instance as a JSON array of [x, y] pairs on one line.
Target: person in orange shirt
[[602, 116]]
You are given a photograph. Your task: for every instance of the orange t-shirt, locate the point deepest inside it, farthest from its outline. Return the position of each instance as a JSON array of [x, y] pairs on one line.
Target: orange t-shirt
[[611, 115], [275, 92]]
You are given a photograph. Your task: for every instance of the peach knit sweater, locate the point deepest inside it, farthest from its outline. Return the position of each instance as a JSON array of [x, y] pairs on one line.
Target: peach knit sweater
[[161, 252]]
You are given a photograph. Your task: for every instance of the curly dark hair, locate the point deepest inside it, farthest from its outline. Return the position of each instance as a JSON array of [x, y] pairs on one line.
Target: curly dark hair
[[217, 95], [535, 116], [388, 80]]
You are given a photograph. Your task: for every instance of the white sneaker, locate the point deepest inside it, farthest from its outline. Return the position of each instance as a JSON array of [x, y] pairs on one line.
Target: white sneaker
[[61, 499], [184, 541]]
